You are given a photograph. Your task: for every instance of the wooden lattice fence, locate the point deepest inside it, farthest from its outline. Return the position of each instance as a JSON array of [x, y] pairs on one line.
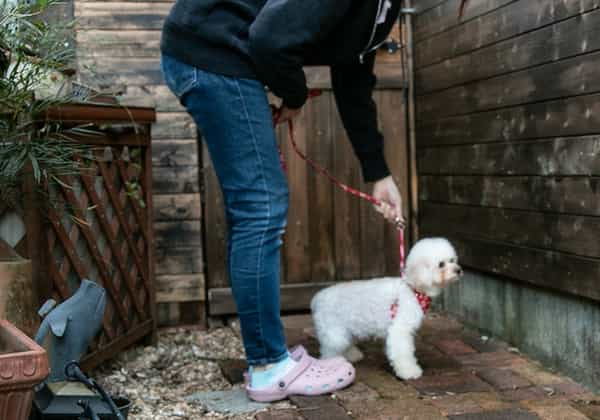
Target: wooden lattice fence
[[98, 225]]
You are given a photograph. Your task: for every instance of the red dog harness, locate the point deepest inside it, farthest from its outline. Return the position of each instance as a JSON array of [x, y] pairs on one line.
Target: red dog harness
[[422, 298]]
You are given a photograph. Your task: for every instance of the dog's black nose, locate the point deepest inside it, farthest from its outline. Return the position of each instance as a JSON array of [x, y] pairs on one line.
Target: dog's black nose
[[458, 271]]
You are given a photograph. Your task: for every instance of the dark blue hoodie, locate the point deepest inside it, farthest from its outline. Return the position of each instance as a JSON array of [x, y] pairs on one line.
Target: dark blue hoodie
[[271, 41]]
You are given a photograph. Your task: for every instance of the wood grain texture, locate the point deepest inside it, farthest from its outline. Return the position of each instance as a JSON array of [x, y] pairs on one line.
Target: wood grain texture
[[569, 77], [514, 19], [577, 235], [297, 236], [175, 180], [118, 43], [174, 125], [215, 224], [321, 218], [551, 157], [576, 35], [294, 297], [175, 153], [180, 288], [574, 116], [561, 272], [121, 15], [445, 16], [572, 195], [178, 233], [179, 260], [346, 208], [177, 207]]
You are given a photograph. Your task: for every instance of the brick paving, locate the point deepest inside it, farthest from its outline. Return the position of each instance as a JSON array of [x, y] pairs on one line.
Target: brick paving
[[466, 377]]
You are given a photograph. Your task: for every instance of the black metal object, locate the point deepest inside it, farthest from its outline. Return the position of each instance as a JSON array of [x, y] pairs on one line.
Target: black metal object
[[74, 373], [391, 46], [49, 406]]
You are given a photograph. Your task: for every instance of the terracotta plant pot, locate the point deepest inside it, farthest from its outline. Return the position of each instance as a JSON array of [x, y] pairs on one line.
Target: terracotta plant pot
[[23, 365]]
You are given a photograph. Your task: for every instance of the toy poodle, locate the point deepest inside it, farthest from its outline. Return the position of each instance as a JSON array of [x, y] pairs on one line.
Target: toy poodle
[[391, 308]]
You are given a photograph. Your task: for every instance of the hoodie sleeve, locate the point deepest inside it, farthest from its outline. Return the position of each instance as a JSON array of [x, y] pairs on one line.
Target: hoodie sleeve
[[279, 37], [353, 85]]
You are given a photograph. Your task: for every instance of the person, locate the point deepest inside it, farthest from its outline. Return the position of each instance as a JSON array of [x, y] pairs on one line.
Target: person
[[217, 56]]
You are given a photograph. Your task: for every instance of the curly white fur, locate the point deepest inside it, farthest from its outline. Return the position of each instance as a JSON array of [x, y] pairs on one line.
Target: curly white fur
[[357, 310]]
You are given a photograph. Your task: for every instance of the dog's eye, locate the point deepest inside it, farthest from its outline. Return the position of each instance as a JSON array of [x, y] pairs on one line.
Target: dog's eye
[[442, 264], [453, 260]]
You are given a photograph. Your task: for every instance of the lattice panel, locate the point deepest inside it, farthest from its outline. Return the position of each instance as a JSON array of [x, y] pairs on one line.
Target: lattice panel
[[99, 231]]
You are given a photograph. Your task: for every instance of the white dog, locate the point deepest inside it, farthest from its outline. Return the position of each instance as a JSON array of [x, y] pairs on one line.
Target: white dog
[[391, 308]]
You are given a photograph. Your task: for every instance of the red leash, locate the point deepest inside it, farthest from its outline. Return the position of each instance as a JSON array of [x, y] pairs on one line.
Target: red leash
[[334, 180]]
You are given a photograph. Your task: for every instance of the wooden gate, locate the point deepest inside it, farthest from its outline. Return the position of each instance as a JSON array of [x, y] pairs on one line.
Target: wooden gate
[[331, 236]]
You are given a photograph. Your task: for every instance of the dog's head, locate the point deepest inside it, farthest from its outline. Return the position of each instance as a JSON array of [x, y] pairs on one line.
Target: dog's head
[[431, 265]]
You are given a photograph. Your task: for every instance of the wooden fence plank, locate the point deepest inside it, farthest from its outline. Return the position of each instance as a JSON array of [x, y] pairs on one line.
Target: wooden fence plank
[[372, 229], [297, 249], [157, 96], [569, 77], [578, 195], [561, 272], [175, 179], [551, 157], [175, 153], [346, 208], [579, 115], [445, 16], [118, 43], [180, 288], [179, 260], [294, 297], [320, 191], [576, 35], [177, 207], [115, 71], [121, 15], [178, 233], [215, 226], [514, 19], [174, 125], [425, 6], [393, 122], [576, 235]]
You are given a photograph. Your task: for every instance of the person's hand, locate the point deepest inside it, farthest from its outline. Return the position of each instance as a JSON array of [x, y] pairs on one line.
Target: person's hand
[[386, 192], [283, 114]]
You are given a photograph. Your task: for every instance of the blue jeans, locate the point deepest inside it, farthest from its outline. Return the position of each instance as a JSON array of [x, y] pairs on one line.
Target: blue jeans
[[235, 120]]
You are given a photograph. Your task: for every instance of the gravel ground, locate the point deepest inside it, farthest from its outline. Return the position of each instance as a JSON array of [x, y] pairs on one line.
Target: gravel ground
[[158, 378]]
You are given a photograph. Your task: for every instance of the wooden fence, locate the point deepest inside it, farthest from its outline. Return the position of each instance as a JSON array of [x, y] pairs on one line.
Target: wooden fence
[[331, 235], [508, 120], [98, 225]]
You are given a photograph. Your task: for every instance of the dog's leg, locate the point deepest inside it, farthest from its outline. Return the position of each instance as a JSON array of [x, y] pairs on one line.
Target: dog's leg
[[400, 350], [334, 342], [353, 354]]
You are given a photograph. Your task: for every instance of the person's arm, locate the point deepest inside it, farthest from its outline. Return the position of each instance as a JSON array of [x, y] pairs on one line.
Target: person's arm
[[353, 86], [279, 37]]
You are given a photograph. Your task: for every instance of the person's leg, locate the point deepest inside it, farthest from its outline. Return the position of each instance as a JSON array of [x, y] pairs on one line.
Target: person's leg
[[235, 120]]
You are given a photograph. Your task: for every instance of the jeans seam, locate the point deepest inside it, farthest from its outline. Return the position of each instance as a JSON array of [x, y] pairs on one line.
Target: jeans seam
[[264, 233]]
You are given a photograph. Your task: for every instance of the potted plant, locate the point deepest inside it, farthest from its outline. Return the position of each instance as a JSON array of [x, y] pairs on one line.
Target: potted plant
[[23, 365]]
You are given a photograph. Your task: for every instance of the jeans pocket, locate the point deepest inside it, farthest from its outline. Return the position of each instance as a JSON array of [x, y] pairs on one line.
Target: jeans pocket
[[179, 77]]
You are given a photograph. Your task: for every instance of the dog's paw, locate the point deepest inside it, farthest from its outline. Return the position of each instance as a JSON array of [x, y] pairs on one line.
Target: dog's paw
[[353, 354], [406, 372]]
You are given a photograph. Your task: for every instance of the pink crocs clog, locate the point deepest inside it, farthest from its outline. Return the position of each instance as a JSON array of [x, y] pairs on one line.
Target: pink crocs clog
[[310, 376]]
